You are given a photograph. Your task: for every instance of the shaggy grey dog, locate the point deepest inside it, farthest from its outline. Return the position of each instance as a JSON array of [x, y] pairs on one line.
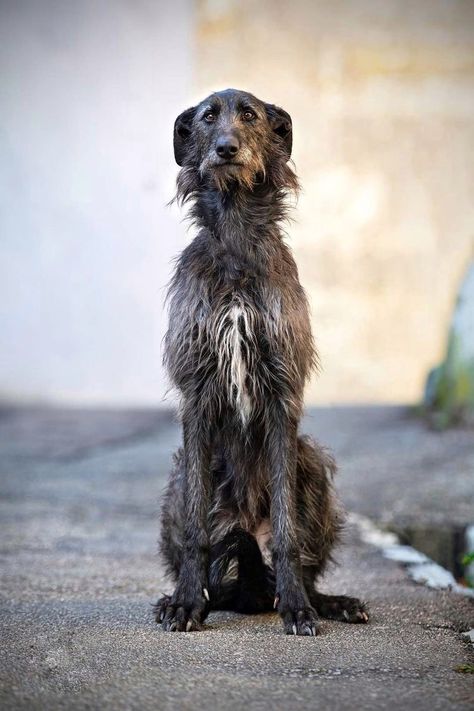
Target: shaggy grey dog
[[249, 518]]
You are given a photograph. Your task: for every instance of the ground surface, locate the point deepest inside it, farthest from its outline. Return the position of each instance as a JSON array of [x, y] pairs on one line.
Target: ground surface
[[79, 574]]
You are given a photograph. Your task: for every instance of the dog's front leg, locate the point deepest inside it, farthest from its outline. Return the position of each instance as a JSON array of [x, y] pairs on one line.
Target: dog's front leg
[[189, 603], [291, 599]]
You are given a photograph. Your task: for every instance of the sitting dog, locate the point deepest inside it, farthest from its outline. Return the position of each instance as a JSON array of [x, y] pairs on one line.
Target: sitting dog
[[249, 518]]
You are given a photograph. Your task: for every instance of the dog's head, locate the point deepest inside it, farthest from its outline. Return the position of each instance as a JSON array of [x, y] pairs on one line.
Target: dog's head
[[234, 138]]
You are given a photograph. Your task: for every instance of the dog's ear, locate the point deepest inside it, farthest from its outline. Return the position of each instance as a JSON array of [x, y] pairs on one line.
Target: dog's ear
[[280, 121], [182, 134]]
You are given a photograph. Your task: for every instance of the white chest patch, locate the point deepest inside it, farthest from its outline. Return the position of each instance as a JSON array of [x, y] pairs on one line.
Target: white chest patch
[[234, 340]]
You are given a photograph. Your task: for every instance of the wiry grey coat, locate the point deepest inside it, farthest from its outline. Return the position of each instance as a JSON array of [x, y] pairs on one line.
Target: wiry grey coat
[[249, 518]]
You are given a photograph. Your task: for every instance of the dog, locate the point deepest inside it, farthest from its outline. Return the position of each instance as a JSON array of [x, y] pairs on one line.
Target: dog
[[249, 518]]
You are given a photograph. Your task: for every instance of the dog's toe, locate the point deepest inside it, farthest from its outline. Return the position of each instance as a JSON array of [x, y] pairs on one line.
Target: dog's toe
[[301, 623], [160, 608], [176, 617], [342, 608]]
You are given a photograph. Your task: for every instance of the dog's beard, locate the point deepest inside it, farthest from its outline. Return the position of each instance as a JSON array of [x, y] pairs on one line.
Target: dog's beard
[[252, 171], [227, 177], [245, 172]]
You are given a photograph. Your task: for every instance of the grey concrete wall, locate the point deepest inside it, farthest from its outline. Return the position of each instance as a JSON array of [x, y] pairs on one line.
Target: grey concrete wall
[[89, 92]]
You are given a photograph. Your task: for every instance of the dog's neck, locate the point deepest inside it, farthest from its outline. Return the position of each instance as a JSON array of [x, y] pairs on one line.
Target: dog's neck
[[239, 215], [242, 220], [240, 212]]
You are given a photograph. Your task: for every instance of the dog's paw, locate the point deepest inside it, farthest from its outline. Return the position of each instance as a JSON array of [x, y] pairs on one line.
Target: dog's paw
[[299, 618], [342, 608], [159, 609], [179, 613], [301, 622]]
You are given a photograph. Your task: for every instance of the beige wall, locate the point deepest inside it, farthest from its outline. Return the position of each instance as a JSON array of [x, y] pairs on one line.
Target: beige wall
[[382, 99]]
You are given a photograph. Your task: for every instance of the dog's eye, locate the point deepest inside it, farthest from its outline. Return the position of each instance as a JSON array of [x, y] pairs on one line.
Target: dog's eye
[[210, 117], [248, 115]]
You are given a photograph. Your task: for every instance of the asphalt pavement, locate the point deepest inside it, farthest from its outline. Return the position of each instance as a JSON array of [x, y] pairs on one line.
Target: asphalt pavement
[[79, 520]]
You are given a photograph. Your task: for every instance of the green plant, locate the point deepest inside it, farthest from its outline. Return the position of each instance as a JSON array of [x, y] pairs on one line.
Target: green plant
[[464, 669], [467, 560]]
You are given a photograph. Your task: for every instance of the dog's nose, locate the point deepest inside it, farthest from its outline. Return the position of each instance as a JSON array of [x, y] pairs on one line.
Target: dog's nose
[[227, 147]]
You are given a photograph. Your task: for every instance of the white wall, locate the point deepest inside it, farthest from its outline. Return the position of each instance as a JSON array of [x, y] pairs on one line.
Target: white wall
[[88, 95]]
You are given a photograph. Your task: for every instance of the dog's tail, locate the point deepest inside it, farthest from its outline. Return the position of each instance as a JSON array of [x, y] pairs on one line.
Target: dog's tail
[[249, 588]]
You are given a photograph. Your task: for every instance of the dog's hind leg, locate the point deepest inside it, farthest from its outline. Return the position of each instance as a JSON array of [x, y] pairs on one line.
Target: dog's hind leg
[[339, 607], [333, 607], [252, 588], [319, 524], [172, 517], [319, 514], [172, 528]]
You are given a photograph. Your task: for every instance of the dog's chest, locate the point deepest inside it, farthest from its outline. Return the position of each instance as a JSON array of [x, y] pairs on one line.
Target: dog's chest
[[234, 342], [238, 328]]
